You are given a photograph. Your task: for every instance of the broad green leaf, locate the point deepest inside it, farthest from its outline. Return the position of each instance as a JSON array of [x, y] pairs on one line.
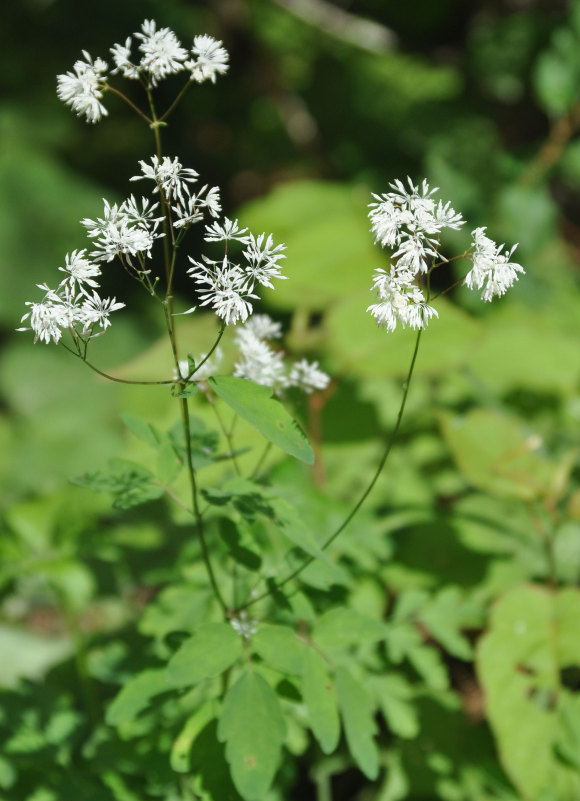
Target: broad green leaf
[[141, 429], [531, 641], [258, 407], [320, 698], [168, 465], [344, 626], [497, 454], [204, 442], [428, 663], [212, 649], [253, 728], [295, 529], [359, 723], [181, 750], [136, 695], [280, 647]]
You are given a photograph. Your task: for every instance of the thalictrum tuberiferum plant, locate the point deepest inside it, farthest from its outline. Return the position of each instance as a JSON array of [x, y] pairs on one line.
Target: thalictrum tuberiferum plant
[[146, 236]]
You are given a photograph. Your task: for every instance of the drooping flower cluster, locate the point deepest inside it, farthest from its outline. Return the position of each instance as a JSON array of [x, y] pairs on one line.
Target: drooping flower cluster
[[74, 305], [229, 286], [410, 221], [161, 55], [260, 363]]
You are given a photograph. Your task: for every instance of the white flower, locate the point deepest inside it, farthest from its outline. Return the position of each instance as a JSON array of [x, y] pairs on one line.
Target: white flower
[[80, 270], [243, 625], [400, 301], [122, 58], [123, 230], [97, 310], [223, 233], [261, 326], [190, 210], [209, 59], [263, 257], [491, 267], [46, 320], [411, 213], [226, 291], [307, 376], [169, 175], [82, 89], [163, 54], [258, 362]]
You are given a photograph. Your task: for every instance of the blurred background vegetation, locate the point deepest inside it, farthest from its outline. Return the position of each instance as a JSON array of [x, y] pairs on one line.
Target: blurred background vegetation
[[324, 103]]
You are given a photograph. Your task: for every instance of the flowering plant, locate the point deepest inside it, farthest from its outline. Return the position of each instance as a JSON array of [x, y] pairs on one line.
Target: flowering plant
[[232, 662]]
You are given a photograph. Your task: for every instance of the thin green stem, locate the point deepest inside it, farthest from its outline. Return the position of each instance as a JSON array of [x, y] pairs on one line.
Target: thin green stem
[[261, 460], [129, 103], [209, 353], [195, 504], [295, 573], [175, 102], [228, 435], [112, 377]]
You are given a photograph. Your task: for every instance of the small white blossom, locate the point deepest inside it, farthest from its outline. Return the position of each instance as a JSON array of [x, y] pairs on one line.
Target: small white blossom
[[169, 175], [209, 59], [307, 376], [82, 89], [122, 58], [258, 362], [97, 310], [163, 54], [123, 230], [243, 625], [263, 256], [491, 267], [261, 326], [190, 210], [223, 233], [400, 301], [80, 270], [224, 287]]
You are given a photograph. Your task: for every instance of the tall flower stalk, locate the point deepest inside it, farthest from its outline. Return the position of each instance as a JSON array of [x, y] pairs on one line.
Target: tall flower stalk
[[227, 279]]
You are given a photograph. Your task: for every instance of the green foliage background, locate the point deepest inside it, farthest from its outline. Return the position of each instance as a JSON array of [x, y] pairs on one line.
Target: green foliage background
[[448, 612]]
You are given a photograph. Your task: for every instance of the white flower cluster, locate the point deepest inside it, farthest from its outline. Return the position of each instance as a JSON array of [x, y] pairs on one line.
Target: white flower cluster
[[229, 286], [124, 230], [161, 55], [491, 267], [410, 221], [74, 305], [262, 364]]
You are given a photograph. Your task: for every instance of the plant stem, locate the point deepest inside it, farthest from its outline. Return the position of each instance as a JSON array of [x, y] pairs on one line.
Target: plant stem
[[129, 102], [295, 573], [195, 504], [175, 102]]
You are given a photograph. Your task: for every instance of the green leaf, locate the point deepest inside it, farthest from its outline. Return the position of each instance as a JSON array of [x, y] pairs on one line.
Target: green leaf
[[182, 746], [280, 647], [395, 694], [258, 407], [141, 429], [168, 465], [359, 724], [295, 529], [252, 726], [531, 641], [444, 615], [204, 442], [129, 482], [320, 698], [497, 454], [212, 649], [343, 626], [136, 695]]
